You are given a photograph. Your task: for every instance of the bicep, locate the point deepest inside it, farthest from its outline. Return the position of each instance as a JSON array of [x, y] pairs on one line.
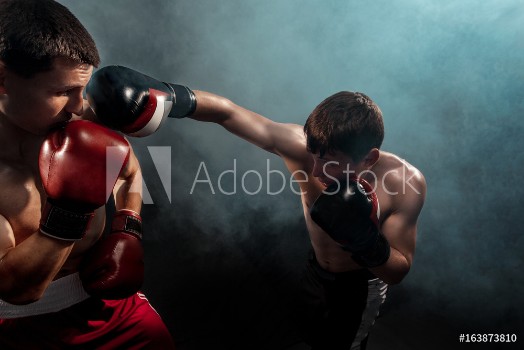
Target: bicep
[[400, 228], [401, 232], [7, 237], [132, 167], [7, 242], [274, 137], [263, 132], [128, 188]]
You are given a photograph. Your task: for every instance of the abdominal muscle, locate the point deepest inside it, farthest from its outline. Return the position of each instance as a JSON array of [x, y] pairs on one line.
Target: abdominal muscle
[[329, 254]]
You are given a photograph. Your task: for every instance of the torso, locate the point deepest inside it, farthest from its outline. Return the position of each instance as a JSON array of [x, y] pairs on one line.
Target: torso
[[21, 202], [391, 174]]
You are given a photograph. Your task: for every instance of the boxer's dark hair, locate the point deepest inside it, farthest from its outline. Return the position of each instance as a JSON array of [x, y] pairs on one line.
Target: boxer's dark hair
[[349, 122], [34, 32]]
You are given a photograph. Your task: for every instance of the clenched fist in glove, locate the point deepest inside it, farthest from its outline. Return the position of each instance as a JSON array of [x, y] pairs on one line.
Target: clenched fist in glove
[[349, 216], [134, 103], [76, 177], [114, 267]]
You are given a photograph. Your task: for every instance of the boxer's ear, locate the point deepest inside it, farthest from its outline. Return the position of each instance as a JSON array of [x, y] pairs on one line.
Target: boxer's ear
[[372, 157]]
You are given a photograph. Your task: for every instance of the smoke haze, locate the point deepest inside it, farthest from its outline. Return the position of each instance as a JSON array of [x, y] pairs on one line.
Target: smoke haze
[[449, 78]]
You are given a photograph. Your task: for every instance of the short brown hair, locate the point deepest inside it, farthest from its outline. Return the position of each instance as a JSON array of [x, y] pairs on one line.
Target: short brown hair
[[34, 32], [349, 122]]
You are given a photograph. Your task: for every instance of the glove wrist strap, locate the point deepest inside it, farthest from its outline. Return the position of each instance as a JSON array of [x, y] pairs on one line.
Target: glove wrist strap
[[64, 224], [184, 101], [127, 221]]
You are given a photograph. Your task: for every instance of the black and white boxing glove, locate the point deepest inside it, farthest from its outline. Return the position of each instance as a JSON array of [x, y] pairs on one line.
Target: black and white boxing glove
[[134, 103]]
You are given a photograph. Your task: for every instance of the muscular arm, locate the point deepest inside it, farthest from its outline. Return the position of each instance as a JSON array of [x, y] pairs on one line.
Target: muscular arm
[[285, 140], [27, 268], [114, 267], [400, 229], [128, 188]]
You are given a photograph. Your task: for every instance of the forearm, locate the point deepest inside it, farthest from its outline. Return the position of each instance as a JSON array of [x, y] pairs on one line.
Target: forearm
[[211, 107], [395, 268], [27, 269], [239, 121]]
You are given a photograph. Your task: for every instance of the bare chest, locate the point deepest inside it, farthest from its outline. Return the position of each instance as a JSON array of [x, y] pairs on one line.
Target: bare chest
[[21, 201], [329, 254]]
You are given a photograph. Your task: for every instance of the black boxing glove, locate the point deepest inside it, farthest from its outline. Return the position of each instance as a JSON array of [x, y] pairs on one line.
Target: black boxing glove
[[134, 103], [348, 214]]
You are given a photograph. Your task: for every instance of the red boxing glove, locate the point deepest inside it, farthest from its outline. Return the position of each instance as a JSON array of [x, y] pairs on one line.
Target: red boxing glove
[[114, 267], [79, 165]]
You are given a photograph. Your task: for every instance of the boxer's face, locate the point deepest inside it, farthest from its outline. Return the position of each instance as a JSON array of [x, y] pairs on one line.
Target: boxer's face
[[47, 99], [333, 166]]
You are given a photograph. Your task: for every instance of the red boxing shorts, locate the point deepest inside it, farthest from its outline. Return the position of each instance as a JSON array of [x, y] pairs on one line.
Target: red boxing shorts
[[130, 323]]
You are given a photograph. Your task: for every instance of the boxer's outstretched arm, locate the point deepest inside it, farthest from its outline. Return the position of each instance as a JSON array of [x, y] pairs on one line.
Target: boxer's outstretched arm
[[136, 104], [285, 140]]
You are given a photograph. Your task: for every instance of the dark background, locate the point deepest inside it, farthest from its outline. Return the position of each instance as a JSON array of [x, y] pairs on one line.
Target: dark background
[[449, 78]]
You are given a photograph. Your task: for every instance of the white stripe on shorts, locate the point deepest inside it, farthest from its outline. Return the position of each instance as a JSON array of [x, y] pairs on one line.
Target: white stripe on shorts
[[376, 296]]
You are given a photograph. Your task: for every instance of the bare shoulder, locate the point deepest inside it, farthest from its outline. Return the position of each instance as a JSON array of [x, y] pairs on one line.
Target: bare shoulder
[[19, 199], [290, 140], [12, 182], [402, 182]]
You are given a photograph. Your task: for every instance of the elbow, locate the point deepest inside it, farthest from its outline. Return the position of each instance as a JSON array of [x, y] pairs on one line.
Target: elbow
[[392, 280], [17, 288], [393, 275], [16, 297]]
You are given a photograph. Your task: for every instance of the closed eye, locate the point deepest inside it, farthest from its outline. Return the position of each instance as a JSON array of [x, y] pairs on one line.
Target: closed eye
[[64, 93], [67, 90]]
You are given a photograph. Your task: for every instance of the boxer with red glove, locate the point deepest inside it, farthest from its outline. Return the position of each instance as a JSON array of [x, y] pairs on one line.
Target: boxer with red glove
[[113, 268], [56, 178], [75, 177], [134, 103], [348, 212]]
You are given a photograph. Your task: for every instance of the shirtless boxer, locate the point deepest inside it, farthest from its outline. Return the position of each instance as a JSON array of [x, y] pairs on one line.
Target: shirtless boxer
[[62, 283], [361, 204]]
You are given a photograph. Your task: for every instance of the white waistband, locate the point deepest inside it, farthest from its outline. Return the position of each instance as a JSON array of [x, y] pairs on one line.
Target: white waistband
[[60, 294]]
